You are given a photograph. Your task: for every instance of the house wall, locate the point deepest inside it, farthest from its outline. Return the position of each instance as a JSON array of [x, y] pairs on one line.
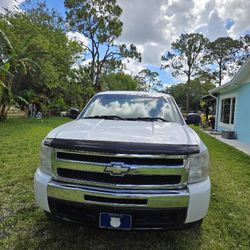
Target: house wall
[[242, 113], [242, 125]]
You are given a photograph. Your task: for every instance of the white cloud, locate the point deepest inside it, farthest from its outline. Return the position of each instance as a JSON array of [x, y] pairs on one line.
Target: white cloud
[[154, 25], [214, 28], [144, 26], [226, 79], [238, 11], [132, 67], [11, 5], [140, 21], [78, 37], [152, 52]]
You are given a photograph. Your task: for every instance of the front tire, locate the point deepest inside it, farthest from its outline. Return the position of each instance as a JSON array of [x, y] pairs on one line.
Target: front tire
[[197, 224], [50, 216]]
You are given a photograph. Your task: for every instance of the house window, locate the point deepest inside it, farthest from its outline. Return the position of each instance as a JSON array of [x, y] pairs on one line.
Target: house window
[[227, 110]]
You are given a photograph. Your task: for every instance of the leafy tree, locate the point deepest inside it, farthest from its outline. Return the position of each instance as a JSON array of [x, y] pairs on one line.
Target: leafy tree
[[179, 92], [98, 21], [185, 58], [119, 81], [245, 41], [148, 80], [14, 64], [223, 53], [79, 86], [39, 29], [199, 86], [199, 89]]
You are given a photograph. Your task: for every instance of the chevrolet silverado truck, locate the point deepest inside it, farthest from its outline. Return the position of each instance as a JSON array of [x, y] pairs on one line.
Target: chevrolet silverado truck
[[128, 162]]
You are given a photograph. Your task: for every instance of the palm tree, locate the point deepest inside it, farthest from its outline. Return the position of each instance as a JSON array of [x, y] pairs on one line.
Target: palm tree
[[13, 64]]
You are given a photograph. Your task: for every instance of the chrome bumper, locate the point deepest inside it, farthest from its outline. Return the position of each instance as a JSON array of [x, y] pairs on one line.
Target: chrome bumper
[[119, 198], [193, 202]]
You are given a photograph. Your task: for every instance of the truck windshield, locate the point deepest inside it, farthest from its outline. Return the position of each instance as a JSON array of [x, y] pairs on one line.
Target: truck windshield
[[132, 107]]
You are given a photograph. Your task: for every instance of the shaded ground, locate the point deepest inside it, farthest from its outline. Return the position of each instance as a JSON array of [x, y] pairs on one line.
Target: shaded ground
[[24, 226]]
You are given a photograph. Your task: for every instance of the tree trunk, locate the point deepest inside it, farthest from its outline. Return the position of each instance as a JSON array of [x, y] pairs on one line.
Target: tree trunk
[[97, 84], [188, 95], [220, 74], [98, 87], [3, 112]]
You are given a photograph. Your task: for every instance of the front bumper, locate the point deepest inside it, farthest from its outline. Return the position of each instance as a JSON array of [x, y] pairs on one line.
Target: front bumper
[[150, 209]]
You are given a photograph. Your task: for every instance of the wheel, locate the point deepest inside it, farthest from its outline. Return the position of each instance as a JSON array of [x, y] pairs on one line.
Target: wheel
[[50, 216]]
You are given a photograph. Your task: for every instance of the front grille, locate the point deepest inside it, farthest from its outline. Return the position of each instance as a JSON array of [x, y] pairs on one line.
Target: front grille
[[141, 217], [113, 179], [130, 171], [124, 160]]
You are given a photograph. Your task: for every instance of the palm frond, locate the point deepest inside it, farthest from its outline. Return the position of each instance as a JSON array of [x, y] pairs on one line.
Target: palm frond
[[31, 62], [5, 39], [22, 99], [10, 58], [3, 85], [36, 53], [23, 66], [4, 71]]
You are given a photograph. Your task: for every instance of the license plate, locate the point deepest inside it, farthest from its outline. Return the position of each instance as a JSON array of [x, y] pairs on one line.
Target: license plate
[[115, 221]]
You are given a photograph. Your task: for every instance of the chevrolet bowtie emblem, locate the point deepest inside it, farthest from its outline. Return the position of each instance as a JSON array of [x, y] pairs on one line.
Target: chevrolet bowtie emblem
[[116, 169]]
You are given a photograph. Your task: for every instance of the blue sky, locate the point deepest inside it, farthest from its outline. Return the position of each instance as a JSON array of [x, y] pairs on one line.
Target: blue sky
[[152, 27]]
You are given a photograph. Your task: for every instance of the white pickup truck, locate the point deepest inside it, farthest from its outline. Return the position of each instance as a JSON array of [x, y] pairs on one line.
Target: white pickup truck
[[128, 161]]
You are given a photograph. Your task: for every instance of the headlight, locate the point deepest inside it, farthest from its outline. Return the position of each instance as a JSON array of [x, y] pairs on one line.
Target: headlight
[[45, 159], [199, 164]]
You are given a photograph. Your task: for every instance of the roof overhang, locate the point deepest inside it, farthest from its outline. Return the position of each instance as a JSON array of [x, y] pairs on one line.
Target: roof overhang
[[208, 98]]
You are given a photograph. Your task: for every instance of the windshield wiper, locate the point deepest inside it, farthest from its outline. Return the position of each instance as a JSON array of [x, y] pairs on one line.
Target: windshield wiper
[[107, 117], [151, 119], [115, 117]]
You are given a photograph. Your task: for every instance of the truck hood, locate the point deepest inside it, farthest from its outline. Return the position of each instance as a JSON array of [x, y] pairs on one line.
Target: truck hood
[[126, 131]]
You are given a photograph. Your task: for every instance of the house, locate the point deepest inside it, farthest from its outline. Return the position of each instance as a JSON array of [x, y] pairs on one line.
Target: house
[[233, 104]]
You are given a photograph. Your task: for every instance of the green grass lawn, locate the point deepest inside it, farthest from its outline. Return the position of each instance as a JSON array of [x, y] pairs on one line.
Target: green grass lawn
[[24, 226]]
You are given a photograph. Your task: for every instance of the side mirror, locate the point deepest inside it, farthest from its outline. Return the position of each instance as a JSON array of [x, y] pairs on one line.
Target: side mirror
[[72, 113], [73, 116], [188, 121], [193, 118]]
